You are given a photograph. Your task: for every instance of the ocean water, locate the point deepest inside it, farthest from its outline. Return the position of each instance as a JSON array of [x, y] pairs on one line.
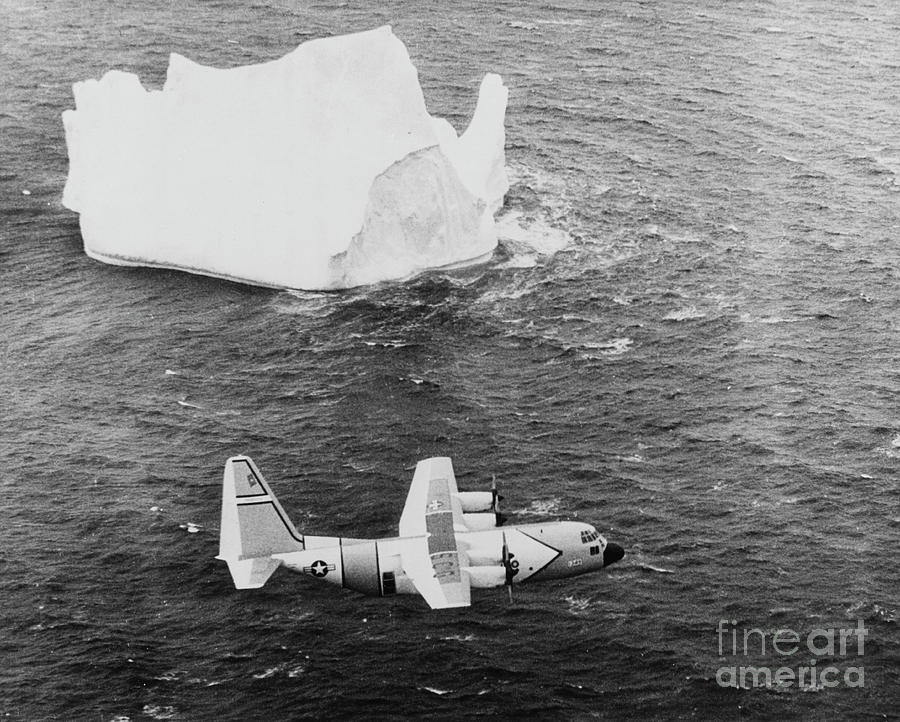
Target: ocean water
[[688, 337]]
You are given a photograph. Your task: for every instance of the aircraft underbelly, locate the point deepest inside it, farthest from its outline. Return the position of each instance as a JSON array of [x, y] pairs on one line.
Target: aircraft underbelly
[[361, 568], [374, 568]]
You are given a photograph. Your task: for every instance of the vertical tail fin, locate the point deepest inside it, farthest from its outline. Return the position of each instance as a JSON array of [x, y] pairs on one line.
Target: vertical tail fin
[[254, 525]]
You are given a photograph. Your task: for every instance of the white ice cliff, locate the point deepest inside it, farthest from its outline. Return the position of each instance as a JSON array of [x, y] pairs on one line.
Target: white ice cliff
[[322, 169]]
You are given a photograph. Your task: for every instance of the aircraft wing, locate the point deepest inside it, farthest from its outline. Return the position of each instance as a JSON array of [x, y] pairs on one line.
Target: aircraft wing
[[428, 527]]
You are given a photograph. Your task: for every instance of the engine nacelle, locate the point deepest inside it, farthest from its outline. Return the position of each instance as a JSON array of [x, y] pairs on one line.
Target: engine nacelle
[[484, 577], [475, 501], [479, 521], [482, 550]]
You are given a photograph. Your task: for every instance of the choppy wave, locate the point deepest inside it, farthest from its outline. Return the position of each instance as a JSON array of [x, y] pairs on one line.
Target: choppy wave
[[686, 337]]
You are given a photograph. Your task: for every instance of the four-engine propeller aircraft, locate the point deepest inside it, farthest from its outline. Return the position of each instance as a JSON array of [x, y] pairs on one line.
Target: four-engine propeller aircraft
[[449, 542]]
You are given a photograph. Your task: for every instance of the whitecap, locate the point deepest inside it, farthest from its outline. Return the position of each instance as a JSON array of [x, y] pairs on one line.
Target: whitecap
[[301, 302], [435, 690], [691, 313], [569, 22], [172, 675], [543, 506], [535, 234], [613, 347], [156, 711], [577, 604], [387, 344], [748, 318], [887, 615]]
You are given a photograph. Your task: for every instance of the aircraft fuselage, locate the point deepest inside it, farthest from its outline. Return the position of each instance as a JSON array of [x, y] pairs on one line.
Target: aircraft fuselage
[[539, 551]]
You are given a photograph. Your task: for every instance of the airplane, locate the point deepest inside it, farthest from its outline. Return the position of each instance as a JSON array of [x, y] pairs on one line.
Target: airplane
[[449, 542]]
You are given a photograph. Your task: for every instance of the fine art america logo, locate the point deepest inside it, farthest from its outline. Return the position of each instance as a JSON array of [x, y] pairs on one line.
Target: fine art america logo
[[800, 659]]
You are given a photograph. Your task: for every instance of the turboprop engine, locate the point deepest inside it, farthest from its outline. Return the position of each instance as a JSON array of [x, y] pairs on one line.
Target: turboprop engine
[[481, 509]]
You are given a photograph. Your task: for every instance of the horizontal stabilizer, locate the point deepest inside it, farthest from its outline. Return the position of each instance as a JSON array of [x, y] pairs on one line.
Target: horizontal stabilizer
[[252, 573]]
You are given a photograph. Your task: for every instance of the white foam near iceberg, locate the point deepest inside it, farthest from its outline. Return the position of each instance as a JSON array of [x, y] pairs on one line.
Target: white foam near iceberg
[[322, 169]]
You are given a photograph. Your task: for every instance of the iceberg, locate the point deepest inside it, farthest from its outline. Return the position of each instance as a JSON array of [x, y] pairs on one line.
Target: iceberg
[[320, 170]]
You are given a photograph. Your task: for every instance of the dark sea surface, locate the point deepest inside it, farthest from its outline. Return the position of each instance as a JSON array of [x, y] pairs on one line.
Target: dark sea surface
[[688, 337]]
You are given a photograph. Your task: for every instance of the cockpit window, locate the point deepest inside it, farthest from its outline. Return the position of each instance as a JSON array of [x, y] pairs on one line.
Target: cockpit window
[[588, 536]]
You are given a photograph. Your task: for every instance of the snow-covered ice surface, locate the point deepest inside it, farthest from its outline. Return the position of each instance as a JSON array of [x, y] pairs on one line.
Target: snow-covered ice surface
[[322, 169]]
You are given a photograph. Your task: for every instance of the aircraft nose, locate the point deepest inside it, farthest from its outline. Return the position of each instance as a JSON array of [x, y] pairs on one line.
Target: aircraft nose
[[612, 554]]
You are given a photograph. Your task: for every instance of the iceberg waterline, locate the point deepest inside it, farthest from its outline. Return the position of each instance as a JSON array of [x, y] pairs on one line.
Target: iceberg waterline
[[322, 169]]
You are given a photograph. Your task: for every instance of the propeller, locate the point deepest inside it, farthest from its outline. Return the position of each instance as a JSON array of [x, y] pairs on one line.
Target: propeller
[[495, 503], [511, 567]]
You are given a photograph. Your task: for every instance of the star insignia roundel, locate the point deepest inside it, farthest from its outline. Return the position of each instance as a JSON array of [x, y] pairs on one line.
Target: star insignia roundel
[[319, 568]]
